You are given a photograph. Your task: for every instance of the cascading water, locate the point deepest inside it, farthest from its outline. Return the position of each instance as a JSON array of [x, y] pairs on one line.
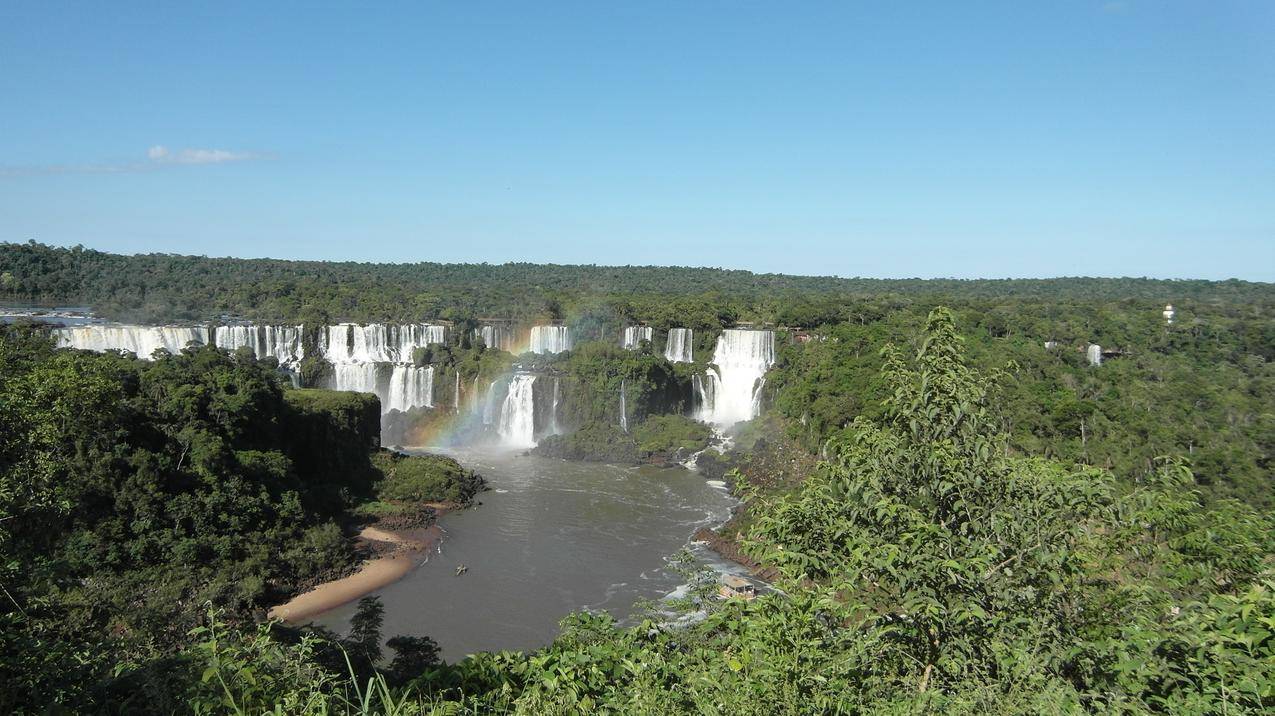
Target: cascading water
[[498, 337], [141, 340], [678, 349], [731, 392], [378, 342], [405, 387], [703, 396], [456, 398], [553, 414], [517, 426], [376, 358], [550, 339], [489, 409], [283, 343], [358, 377], [634, 335], [624, 407], [1094, 354], [409, 387]]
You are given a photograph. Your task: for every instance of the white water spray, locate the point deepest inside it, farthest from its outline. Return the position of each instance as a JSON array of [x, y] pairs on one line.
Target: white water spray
[[283, 343], [518, 414], [634, 335], [624, 407], [731, 392], [142, 340], [377, 342], [550, 339], [678, 349]]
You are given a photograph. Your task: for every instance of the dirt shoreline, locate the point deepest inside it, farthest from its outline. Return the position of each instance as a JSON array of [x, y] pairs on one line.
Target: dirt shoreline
[[397, 553]]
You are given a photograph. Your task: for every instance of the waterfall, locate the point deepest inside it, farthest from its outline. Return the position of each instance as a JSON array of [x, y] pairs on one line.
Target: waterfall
[[553, 415], [141, 340], [283, 343], [406, 386], [518, 414], [498, 337], [732, 392], [550, 339], [624, 408], [473, 401], [378, 342], [358, 377], [489, 410], [634, 335], [1094, 354], [410, 387], [678, 349], [456, 400], [703, 395]]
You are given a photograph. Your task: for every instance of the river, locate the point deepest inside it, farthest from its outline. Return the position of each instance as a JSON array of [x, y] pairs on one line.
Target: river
[[550, 537]]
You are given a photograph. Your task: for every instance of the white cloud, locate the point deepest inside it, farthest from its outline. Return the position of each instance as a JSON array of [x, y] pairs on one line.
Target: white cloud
[[160, 153], [158, 156]]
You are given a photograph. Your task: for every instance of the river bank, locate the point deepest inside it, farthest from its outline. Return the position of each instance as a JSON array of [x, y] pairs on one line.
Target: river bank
[[396, 552]]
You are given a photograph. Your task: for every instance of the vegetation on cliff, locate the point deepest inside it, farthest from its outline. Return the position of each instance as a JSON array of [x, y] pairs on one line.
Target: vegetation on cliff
[[133, 492]]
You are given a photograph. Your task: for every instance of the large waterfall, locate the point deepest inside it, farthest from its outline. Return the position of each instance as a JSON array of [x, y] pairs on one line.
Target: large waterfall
[[517, 426], [550, 339], [731, 391], [678, 348], [399, 386], [142, 340], [500, 337], [378, 342], [634, 335], [283, 343]]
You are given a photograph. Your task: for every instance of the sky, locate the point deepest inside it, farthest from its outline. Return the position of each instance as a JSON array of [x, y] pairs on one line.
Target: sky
[[900, 139]]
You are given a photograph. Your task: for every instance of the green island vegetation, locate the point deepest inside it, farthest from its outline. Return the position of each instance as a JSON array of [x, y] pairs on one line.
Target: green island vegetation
[[660, 439], [424, 478], [967, 522]]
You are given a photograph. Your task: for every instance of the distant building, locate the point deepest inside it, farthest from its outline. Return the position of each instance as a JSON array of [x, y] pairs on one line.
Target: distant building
[[1168, 313], [735, 587]]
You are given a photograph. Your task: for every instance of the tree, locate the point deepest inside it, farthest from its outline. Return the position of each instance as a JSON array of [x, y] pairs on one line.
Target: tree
[[924, 534], [412, 656], [365, 629]]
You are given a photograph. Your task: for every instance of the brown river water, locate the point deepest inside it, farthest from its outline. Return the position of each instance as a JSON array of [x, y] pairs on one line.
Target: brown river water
[[550, 537]]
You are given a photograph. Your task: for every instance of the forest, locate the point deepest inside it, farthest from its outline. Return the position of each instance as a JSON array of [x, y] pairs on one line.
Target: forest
[[960, 513], [134, 495], [165, 287]]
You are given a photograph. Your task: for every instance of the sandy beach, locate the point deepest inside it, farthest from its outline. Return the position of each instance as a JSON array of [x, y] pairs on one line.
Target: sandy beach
[[371, 576]]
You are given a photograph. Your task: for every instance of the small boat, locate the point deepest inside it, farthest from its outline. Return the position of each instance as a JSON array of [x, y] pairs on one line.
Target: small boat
[[461, 569], [732, 587]]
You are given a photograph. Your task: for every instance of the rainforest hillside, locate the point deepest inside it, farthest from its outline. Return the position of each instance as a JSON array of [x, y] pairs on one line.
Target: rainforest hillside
[[166, 287]]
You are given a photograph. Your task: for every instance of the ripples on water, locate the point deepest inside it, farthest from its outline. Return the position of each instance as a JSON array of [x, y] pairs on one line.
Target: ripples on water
[[551, 537]]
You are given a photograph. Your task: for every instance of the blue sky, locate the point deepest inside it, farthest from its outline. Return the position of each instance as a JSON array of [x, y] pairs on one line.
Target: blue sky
[[968, 139]]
